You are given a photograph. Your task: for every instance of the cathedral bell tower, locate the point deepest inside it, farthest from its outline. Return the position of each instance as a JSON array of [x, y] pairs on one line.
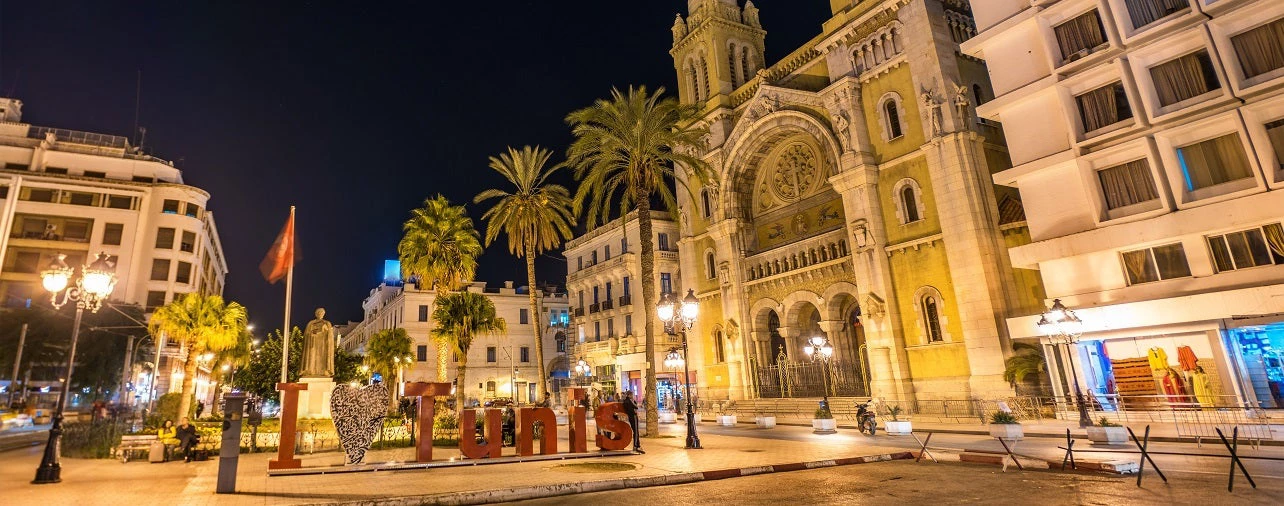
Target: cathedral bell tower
[[716, 49]]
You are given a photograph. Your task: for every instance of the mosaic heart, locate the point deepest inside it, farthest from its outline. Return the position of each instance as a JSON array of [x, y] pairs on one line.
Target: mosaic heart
[[357, 413]]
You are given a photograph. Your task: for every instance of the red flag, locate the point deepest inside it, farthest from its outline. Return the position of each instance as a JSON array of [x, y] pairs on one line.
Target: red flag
[[280, 258]]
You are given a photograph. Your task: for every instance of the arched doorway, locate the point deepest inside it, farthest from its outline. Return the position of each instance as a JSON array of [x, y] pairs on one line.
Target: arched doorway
[[778, 349]]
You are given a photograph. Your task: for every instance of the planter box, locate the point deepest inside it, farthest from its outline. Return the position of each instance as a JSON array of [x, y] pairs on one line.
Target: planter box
[[727, 420], [824, 425], [1108, 435], [900, 428], [668, 417], [1007, 431], [765, 422]]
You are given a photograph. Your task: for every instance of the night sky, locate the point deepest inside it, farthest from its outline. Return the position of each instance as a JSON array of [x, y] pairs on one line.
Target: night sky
[[354, 113]]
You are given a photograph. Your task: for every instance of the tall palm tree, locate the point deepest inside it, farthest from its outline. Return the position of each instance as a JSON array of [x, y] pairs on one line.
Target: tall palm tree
[[461, 317], [625, 153], [202, 324], [238, 355], [439, 248], [537, 217], [386, 351]]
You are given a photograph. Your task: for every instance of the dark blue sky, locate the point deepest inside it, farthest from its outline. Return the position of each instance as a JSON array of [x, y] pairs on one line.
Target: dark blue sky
[[354, 113]]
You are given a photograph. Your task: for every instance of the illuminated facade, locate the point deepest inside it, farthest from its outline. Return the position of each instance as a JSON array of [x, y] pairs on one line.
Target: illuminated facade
[[1148, 140]]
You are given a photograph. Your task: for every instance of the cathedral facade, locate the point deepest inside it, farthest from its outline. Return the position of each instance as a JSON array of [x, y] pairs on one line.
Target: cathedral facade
[[853, 201]]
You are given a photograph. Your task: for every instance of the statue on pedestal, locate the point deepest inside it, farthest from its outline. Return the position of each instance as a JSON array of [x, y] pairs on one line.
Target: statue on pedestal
[[318, 348]]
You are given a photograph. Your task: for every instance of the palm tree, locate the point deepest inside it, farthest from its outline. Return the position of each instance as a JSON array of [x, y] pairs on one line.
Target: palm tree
[[440, 249], [237, 356], [386, 351], [624, 155], [536, 217], [461, 317], [202, 324]]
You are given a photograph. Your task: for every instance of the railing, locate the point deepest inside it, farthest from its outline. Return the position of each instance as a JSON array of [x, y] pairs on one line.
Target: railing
[[608, 305], [807, 379], [626, 301], [578, 312], [595, 307]]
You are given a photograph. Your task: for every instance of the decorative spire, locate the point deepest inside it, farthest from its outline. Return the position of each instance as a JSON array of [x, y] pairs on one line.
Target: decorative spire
[[751, 15], [679, 28]]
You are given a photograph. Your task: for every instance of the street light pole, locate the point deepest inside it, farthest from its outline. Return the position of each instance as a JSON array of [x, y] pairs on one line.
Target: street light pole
[[1063, 323], [96, 282], [680, 321], [819, 350]]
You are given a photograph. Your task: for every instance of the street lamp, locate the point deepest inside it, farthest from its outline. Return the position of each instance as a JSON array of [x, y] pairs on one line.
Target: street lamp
[[679, 319], [1060, 323], [819, 350], [96, 282], [583, 370]]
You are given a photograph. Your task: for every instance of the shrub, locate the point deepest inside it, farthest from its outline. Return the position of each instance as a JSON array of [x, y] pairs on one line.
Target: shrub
[[822, 413], [1003, 418], [167, 409], [91, 440], [1105, 422], [894, 411]]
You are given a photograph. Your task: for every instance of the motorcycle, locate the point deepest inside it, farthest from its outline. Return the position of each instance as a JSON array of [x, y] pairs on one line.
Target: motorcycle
[[865, 421]]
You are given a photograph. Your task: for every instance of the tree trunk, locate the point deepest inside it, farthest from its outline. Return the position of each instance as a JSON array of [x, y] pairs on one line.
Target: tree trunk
[[443, 362], [535, 320], [189, 386], [648, 317], [460, 395]]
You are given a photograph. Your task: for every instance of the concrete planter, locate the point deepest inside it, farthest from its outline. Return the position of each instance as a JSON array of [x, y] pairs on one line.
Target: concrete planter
[[824, 425], [727, 420], [668, 417], [900, 428], [1108, 435], [765, 422], [1007, 431]]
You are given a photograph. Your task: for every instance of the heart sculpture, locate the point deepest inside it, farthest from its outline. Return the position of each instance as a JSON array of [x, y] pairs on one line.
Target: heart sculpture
[[357, 413]]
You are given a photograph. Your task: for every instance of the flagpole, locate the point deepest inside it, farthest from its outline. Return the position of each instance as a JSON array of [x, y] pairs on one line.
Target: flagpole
[[289, 289]]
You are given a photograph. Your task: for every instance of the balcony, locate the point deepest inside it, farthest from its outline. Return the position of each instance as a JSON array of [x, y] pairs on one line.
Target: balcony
[[578, 312], [595, 307], [626, 301], [608, 305]]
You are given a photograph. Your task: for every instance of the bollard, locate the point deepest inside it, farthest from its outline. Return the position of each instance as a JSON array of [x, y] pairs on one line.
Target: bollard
[[231, 450]]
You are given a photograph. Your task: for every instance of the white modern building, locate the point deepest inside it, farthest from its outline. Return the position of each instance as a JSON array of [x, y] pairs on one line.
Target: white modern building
[[81, 194], [501, 366], [1147, 141], [604, 268]]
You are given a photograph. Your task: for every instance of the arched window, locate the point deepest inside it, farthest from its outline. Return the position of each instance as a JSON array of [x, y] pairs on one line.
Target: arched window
[[719, 351], [706, 204], [693, 81], [976, 95], [893, 119], [710, 270], [490, 386], [909, 203], [932, 317], [731, 65], [744, 64], [704, 78]]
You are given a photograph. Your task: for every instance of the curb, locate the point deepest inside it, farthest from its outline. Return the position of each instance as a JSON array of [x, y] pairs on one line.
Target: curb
[[974, 432], [562, 489]]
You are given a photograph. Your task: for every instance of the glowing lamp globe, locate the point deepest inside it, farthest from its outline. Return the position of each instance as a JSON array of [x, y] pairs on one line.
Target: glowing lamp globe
[[690, 306], [57, 276], [665, 308]]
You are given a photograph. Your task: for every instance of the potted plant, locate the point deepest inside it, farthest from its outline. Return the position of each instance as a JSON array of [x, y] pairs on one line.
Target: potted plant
[[764, 421], [823, 421], [668, 417], [1106, 433], [897, 426], [1004, 425], [726, 420]]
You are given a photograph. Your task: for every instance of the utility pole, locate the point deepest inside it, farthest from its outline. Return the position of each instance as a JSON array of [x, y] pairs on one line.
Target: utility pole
[[17, 360], [127, 376], [160, 345]]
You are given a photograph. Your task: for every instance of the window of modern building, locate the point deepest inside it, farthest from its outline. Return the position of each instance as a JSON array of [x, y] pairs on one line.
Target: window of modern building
[[423, 312], [164, 238], [421, 353], [4, 192], [523, 316], [1155, 264], [188, 244], [26, 262], [120, 202], [112, 233], [666, 283], [160, 269], [1184, 78], [628, 324], [55, 170], [1213, 162], [490, 354], [892, 120], [192, 210], [143, 179], [1103, 107], [525, 354], [1261, 49], [1248, 248], [169, 206], [16, 166], [1127, 184], [662, 241], [710, 270], [38, 195], [1080, 36], [81, 198], [96, 174], [155, 299], [184, 274], [1275, 132], [76, 230], [1145, 12], [932, 317]]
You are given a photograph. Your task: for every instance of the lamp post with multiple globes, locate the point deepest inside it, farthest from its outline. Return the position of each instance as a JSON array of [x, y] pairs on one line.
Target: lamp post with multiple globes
[[679, 319], [96, 282], [1061, 324], [819, 350]]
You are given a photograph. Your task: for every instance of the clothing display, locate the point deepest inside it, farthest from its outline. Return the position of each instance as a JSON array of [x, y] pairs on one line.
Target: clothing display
[[1174, 387], [1158, 360], [1186, 357], [1203, 391]]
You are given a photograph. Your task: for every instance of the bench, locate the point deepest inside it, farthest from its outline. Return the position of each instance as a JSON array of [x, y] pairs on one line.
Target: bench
[[130, 444]]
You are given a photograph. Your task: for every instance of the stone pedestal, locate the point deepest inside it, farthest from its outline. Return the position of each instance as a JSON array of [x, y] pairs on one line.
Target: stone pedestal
[[315, 401]]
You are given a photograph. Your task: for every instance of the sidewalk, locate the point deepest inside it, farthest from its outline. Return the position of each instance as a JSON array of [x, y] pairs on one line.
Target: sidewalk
[[109, 482]]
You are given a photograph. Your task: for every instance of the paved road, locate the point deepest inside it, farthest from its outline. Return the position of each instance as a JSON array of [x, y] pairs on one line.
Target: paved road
[[905, 482]]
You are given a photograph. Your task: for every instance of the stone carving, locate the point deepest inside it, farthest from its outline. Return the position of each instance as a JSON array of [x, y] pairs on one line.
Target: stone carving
[[874, 306], [799, 224], [962, 102], [795, 172], [724, 273], [318, 348], [932, 106], [751, 15], [679, 29], [357, 414]]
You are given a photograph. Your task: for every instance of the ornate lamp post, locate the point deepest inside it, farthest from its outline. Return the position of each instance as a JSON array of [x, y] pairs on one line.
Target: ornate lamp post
[[96, 282], [819, 350], [583, 370], [1065, 327], [679, 319]]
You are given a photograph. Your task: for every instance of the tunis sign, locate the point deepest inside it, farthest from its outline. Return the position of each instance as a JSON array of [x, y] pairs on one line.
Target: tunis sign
[[613, 434]]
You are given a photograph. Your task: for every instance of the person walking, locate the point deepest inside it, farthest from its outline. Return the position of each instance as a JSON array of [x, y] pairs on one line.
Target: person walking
[[187, 438], [631, 410]]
